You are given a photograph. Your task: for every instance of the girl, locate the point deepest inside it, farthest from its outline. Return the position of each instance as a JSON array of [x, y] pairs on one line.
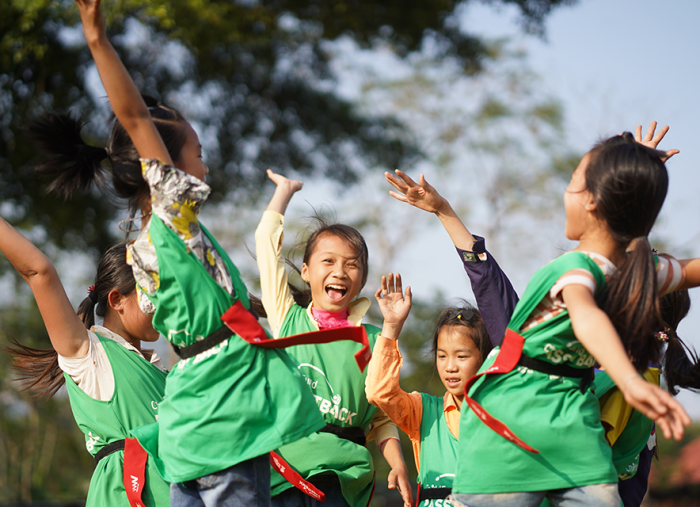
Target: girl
[[335, 267], [227, 404], [113, 384], [460, 344], [614, 197], [627, 431]]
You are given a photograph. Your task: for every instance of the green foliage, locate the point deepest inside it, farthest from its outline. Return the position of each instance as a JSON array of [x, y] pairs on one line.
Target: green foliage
[[255, 78]]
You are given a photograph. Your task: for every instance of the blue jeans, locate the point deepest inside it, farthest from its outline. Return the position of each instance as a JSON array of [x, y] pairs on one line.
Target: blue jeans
[[246, 484], [327, 483], [598, 495]]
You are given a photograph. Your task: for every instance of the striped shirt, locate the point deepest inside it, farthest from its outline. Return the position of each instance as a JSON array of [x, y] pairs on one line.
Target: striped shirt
[[669, 276]]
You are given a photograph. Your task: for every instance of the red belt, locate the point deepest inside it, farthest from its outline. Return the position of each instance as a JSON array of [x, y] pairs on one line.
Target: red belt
[[134, 471], [505, 362], [240, 321]]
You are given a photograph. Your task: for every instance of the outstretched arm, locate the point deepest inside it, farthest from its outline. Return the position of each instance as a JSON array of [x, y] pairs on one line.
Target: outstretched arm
[[276, 295], [495, 296], [128, 106], [66, 331], [423, 196], [595, 331]]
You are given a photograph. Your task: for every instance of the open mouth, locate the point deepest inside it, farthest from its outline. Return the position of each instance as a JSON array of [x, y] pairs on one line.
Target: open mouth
[[336, 292], [453, 382]]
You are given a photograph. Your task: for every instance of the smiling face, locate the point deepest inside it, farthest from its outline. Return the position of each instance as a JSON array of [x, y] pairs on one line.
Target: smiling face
[[334, 273], [190, 159], [578, 202], [457, 359]]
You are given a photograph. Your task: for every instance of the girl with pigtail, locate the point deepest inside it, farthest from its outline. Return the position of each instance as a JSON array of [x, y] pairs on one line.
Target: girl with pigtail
[[531, 405], [334, 270], [234, 397], [114, 385]]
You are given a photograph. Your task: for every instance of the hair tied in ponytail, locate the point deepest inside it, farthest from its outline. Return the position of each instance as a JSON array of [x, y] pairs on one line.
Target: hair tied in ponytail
[[91, 294]]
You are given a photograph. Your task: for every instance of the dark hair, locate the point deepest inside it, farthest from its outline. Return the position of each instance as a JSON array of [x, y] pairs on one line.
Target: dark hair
[[679, 369], [351, 236], [628, 182], [38, 369], [75, 165], [468, 317]]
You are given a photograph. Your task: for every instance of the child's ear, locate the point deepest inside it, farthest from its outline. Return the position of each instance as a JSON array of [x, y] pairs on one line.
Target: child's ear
[[305, 272], [116, 300], [590, 205]]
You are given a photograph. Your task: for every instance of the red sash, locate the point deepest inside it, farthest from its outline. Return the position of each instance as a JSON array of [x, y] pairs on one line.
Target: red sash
[[239, 320], [505, 362], [134, 471], [294, 478]]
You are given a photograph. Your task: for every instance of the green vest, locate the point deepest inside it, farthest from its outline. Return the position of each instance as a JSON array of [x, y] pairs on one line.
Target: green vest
[[234, 401], [438, 450], [138, 389], [626, 449], [547, 412], [338, 386]]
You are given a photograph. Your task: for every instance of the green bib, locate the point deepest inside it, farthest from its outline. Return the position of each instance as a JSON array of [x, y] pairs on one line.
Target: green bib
[[548, 412], [626, 449], [138, 390], [234, 401], [332, 375], [438, 450]]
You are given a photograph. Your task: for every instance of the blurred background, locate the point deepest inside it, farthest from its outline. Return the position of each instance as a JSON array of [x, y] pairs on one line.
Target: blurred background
[[495, 101]]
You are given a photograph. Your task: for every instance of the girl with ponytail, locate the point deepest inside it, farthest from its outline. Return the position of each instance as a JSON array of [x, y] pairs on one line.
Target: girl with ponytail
[[234, 397], [533, 429], [114, 385]]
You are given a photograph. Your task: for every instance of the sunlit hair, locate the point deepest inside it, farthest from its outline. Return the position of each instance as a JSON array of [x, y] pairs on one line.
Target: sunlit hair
[[323, 227], [38, 369], [680, 363], [467, 319], [628, 182], [75, 166]]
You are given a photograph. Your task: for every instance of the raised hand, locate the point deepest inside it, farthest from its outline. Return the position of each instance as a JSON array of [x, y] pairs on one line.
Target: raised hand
[[652, 141], [394, 305], [286, 188], [92, 19], [292, 186], [658, 405], [421, 195]]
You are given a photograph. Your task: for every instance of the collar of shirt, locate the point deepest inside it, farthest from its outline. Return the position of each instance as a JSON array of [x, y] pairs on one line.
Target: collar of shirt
[[356, 311], [106, 333]]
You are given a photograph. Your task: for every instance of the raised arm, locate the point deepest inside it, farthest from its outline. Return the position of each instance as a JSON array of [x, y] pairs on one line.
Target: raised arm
[[495, 296], [66, 331], [276, 295], [127, 103]]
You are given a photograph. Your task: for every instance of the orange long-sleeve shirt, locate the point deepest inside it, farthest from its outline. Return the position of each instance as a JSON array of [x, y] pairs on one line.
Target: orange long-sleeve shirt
[[405, 409]]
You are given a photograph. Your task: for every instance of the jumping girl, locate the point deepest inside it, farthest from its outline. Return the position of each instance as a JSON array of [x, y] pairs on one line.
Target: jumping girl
[[114, 385], [460, 344], [614, 197], [227, 403], [335, 268]]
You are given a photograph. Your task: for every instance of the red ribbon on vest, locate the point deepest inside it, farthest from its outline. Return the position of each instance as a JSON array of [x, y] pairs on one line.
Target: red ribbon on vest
[[239, 320], [134, 471], [281, 466], [505, 362]]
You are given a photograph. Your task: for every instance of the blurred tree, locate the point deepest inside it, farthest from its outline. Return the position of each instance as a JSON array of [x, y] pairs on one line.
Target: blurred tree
[[256, 79], [255, 71]]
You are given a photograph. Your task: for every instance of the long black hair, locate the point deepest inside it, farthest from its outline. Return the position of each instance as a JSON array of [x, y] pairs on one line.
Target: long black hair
[[680, 363], [38, 369], [629, 182], [75, 166], [467, 318]]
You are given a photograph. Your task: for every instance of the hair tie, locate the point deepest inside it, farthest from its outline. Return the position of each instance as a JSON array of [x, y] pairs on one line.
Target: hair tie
[[662, 336], [91, 294]]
